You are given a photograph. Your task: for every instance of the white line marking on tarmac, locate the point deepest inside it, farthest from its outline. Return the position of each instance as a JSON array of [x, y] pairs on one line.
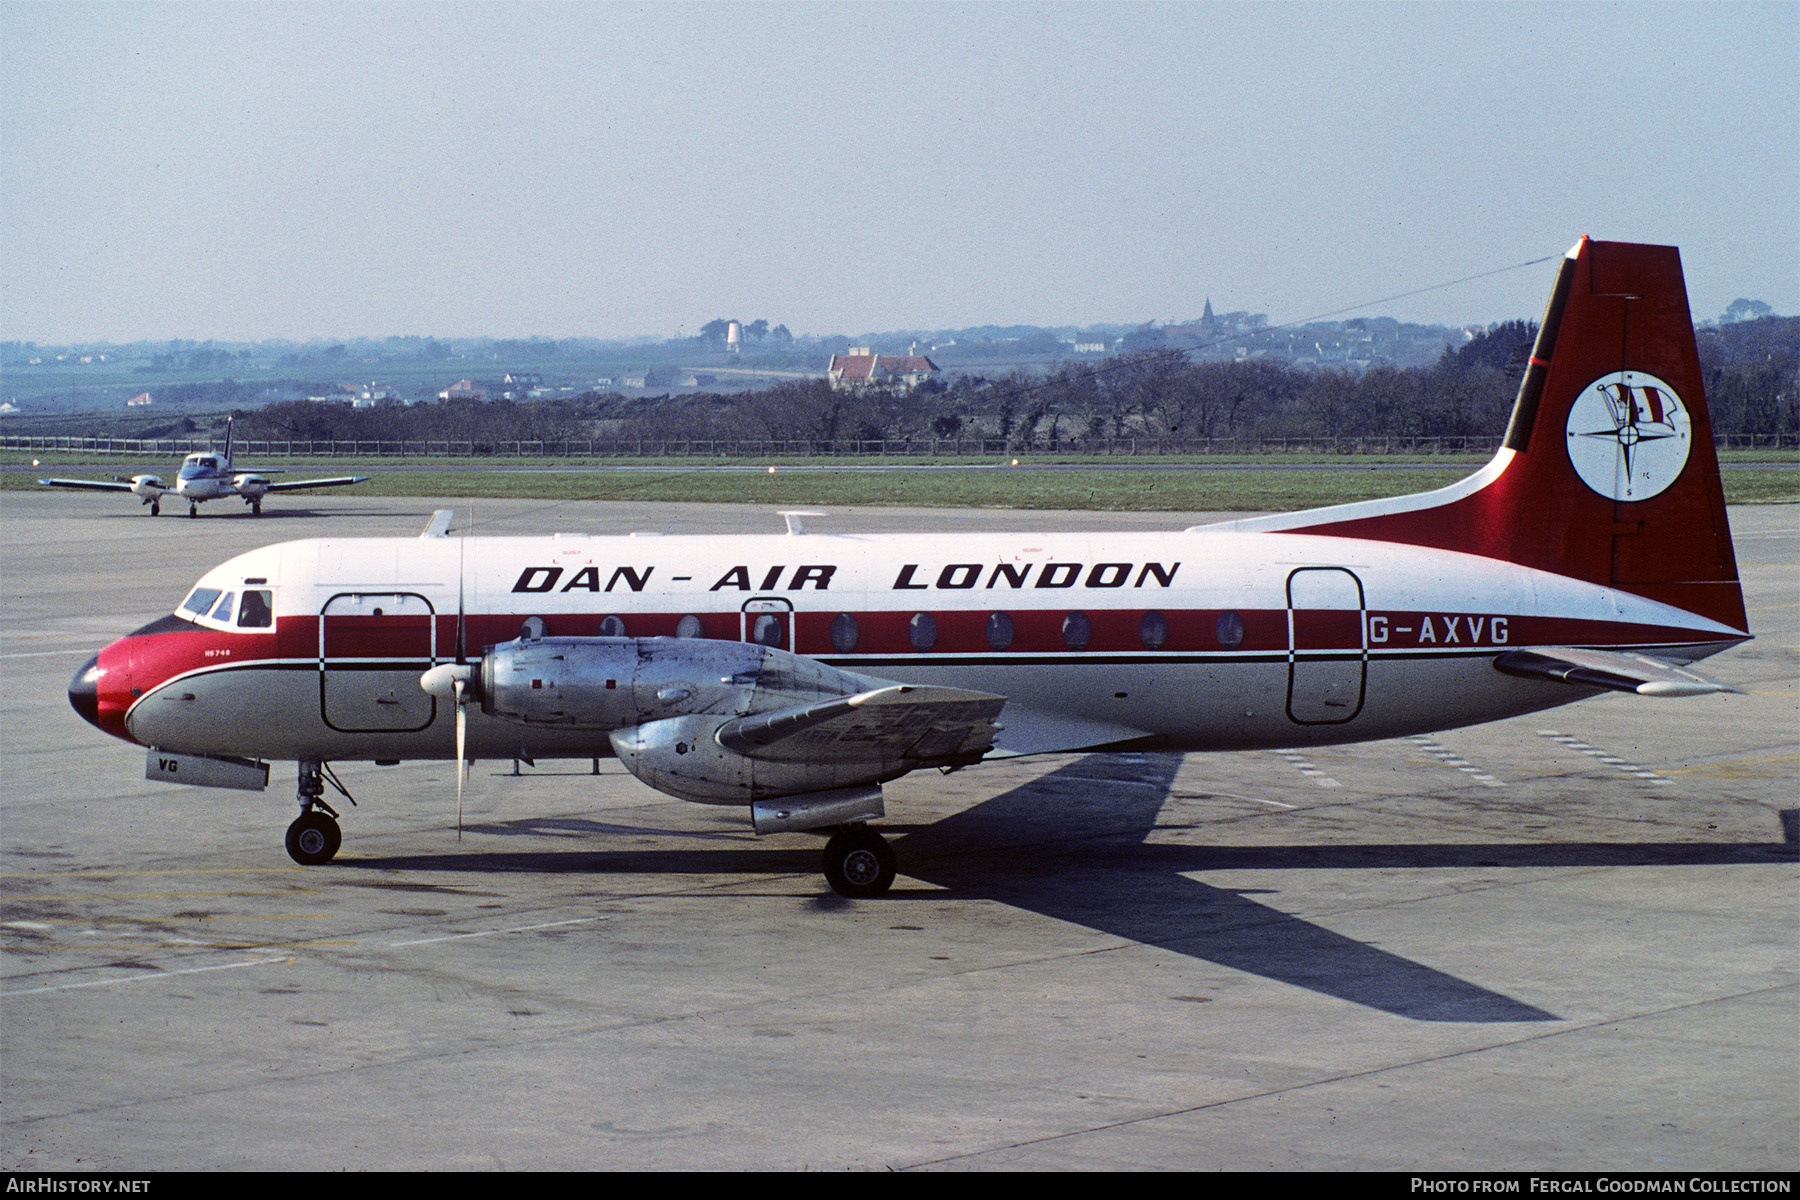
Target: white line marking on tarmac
[[491, 932], [65, 987], [1618, 764], [1450, 758], [1304, 765]]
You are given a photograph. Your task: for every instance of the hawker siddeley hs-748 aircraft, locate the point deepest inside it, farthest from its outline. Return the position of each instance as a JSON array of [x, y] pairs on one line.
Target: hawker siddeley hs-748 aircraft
[[794, 675], [205, 475]]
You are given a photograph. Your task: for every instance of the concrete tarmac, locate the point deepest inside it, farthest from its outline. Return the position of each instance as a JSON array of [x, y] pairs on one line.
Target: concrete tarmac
[[1561, 942]]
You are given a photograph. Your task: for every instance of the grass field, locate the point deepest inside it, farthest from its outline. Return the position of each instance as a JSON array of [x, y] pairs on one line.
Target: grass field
[[1230, 488]]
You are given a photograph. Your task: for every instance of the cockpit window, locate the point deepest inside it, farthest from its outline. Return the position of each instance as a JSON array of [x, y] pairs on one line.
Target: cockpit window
[[200, 600], [256, 612], [222, 612]]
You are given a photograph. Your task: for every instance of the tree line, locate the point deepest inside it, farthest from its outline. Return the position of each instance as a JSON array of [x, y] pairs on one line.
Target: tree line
[[1751, 371]]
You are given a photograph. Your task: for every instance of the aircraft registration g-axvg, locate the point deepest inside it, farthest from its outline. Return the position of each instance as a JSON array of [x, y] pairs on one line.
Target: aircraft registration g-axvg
[[795, 674], [205, 475]]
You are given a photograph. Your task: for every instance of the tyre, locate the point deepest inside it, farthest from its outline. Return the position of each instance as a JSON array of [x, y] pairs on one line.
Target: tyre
[[313, 839], [859, 863]]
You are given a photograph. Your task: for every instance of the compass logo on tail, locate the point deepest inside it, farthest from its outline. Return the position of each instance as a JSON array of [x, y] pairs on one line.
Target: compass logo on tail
[[1629, 435]]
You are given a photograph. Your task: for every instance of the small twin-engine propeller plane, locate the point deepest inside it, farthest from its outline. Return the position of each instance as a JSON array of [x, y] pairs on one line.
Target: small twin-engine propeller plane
[[794, 675], [205, 475]]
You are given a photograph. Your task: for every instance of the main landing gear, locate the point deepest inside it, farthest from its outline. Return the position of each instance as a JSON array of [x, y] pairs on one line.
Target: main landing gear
[[858, 863], [155, 509], [314, 837], [193, 508]]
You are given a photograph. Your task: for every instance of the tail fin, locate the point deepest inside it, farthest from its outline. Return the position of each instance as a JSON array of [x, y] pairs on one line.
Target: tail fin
[[1607, 472]]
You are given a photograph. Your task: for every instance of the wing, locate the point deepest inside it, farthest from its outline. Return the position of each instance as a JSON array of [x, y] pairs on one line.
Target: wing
[[902, 725], [1612, 669], [89, 485], [295, 485]]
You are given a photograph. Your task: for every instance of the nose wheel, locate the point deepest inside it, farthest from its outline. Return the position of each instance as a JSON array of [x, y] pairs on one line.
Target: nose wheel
[[859, 863], [313, 839]]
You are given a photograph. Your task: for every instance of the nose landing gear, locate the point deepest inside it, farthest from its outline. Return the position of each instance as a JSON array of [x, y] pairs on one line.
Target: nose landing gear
[[314, 837]]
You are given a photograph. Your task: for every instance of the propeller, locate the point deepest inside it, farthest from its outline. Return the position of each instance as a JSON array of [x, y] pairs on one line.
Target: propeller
[[450, 681]]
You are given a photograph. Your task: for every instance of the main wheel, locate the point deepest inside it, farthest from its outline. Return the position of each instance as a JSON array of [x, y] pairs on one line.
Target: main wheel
[[859, 863], [313, 839]]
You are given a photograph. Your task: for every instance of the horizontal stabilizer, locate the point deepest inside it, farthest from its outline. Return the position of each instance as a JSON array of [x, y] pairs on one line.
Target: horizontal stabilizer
[[1608, 669], [918, 724]]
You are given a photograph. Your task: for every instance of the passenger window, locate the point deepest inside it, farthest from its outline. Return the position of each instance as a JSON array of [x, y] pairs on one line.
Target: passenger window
[[256, 612], [222, 612], [921, 631], [612, 626], [999, 631], [844, 633], [1077, 631]]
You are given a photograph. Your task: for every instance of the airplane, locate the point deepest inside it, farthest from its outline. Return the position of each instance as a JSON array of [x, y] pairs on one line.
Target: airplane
[[205, 475], [794, 674]]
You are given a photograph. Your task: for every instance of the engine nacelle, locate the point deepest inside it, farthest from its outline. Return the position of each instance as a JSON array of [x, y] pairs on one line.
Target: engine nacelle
[[682, 757], [609, 683], [251, 487], [663, 700], [148, 487]]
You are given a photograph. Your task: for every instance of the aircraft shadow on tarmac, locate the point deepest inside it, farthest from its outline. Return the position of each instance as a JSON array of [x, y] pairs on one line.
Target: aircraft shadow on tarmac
[[1071, 845]]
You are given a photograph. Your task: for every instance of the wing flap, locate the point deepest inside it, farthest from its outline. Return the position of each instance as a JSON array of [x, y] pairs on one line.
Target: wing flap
[[906, 725], [1612, 669]]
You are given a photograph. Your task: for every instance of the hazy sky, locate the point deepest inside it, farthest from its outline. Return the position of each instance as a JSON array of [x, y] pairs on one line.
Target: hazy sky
[[244, 171]]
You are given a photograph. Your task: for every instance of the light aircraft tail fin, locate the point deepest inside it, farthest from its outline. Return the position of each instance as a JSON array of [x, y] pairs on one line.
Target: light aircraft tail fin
[[1607, 472]]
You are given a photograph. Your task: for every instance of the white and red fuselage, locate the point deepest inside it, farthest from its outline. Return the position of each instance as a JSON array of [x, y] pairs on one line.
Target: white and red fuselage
[[1199, 640]]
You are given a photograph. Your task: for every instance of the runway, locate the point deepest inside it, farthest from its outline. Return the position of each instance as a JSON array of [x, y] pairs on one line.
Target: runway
[[1561, 942]]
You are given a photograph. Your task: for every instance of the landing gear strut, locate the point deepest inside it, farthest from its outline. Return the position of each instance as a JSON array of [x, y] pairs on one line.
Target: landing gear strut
[[314, 837], [193, 508], [858, 863], [155, 509]]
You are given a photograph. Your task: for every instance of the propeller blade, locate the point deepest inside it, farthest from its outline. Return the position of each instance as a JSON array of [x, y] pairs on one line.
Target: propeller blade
[[462, 734]]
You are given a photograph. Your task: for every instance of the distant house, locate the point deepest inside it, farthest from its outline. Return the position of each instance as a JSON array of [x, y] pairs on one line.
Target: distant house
[[463, 389], [139, 401], [861, 368]]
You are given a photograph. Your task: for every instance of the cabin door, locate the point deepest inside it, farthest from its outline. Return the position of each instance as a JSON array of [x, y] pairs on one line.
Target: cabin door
[[1328, 651], [373, 646]]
